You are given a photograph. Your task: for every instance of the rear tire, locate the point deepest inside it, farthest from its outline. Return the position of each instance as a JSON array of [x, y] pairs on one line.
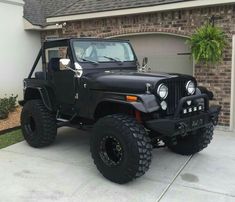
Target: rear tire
[[193, 143], [38, 124], [120, 148]]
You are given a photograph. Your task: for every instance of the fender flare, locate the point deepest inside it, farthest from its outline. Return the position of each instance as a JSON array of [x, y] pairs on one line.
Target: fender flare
[[147, 103], [32, 92], [204, 90]]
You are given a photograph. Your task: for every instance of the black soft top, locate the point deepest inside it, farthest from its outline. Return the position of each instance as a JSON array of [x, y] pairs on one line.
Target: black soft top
[[65, 41]]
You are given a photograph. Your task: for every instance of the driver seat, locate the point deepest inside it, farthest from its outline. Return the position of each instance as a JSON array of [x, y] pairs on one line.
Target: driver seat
[[54, 65]]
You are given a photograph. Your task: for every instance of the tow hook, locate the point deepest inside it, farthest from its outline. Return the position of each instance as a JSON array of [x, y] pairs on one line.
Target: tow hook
[[214, 120], [182, 128], [214, 112]]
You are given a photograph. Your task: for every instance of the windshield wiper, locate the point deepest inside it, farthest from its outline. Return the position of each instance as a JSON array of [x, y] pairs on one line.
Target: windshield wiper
[[88, 60], [113, 59]]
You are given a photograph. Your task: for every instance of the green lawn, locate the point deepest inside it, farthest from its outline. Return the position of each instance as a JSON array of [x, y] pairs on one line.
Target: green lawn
[[10, 138]]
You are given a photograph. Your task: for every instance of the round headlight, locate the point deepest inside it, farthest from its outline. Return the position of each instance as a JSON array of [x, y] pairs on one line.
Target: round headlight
[[190, 87], [162, 91]]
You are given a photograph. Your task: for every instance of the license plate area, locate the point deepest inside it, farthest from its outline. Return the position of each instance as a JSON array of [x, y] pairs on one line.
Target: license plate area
[[198, 121]]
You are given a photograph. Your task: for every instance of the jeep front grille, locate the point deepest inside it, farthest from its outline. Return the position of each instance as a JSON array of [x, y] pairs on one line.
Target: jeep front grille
[[177, 90]]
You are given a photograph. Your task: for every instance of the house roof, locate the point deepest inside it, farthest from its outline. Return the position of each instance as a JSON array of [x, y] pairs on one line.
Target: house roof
[[90, 6], [46, 12], [36, 11]]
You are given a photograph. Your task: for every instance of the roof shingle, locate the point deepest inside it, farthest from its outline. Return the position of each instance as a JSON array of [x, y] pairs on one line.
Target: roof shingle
[[36, 11], [90, 6]]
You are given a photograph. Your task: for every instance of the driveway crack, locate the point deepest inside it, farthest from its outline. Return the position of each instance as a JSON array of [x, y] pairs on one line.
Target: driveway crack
[[206, 190], [177, 174]]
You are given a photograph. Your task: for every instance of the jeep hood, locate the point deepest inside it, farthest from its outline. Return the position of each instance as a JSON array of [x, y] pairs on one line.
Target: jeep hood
[[127, 82]]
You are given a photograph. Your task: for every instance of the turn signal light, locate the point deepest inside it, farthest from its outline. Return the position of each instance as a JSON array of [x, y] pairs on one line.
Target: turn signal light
[[130, 98]]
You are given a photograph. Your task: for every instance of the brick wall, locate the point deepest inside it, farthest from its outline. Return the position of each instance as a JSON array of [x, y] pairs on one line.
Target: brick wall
[[181, 22]]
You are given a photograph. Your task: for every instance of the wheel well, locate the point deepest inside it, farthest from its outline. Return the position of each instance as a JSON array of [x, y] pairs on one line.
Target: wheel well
[[106, 108], [206, 91], [32, 94]]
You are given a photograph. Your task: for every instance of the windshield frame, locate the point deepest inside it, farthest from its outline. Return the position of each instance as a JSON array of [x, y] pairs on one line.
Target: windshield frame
[[102, 40]]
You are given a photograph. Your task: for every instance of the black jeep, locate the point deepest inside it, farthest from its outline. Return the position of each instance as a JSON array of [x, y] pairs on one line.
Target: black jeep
[[99, 83]]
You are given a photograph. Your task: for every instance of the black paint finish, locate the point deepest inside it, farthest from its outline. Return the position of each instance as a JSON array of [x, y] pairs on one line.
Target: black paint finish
[[104, 86]]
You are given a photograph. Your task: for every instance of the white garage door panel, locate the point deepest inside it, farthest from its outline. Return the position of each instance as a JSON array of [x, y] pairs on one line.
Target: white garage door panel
[[170, 63], [164, 52]]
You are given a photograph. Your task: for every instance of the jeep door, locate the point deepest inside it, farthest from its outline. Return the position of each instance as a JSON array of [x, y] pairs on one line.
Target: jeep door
[[62, 78]]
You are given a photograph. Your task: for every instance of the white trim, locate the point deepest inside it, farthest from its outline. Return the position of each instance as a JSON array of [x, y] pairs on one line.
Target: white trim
[[173, 6], [29, 26], [232, 107], [13, 2], [194, 65], [50, 37], [143, 33]]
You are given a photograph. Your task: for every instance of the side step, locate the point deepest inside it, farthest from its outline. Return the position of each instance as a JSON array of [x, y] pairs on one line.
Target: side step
[[62, 122]]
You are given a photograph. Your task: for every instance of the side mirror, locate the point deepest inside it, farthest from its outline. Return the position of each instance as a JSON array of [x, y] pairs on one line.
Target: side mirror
[[65, 62], [145, 62], [79, 70], [78, 66]]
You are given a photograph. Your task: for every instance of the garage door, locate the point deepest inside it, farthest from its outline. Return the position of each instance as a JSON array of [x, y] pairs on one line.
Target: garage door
[[166, 53]]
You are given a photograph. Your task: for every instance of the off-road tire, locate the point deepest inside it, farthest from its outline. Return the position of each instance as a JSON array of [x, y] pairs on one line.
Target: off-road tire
[[135, 143], [38, 124], [193, 142]]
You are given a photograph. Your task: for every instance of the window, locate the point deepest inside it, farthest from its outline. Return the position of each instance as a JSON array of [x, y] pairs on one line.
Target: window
[[57, 53], [103, 51], [52, 52]]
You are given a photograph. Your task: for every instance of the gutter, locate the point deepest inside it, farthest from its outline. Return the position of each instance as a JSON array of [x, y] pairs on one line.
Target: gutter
[[13, 2], [29, 26]]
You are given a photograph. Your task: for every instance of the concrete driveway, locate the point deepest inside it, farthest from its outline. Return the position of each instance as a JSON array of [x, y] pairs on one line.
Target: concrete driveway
[[65, 172]]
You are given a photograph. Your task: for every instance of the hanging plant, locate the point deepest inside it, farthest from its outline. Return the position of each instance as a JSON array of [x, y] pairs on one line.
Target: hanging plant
[[207, 44]]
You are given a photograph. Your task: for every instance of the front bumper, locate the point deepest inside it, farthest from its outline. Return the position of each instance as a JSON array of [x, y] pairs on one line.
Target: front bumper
[[178, 125]]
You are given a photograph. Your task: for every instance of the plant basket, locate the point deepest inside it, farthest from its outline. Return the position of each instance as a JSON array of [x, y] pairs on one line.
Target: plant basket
[[207, 44]]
